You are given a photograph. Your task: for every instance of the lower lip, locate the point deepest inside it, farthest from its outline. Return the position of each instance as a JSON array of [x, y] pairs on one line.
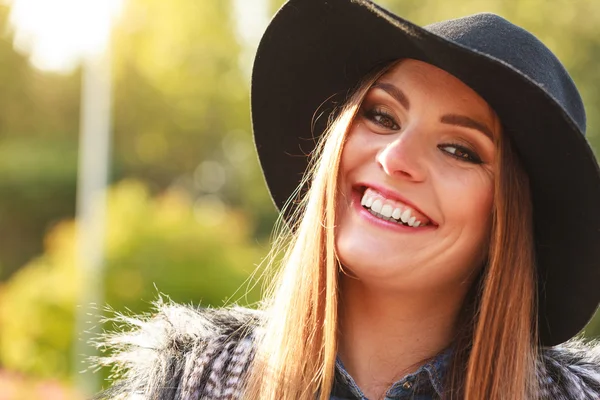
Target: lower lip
[[364, 213]]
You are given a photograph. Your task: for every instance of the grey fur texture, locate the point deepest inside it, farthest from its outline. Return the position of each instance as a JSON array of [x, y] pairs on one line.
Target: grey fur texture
[[187, 353], [179, 353]]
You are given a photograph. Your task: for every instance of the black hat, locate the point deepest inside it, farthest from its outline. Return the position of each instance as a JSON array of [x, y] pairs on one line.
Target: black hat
[[315, 51]]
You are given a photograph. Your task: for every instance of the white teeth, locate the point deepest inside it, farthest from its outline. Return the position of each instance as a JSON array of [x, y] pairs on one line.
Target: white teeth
[[376, 206], [366, 200], [405, 215], [386, 211]]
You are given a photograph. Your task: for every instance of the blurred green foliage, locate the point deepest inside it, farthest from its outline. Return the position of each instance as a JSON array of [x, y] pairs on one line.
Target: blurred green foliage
[[180, 99], [38, 150], [198, 252]]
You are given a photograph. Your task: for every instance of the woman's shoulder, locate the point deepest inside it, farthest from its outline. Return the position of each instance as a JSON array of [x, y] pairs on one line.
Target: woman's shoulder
[[571, 371], [183, 352], [179, 352]]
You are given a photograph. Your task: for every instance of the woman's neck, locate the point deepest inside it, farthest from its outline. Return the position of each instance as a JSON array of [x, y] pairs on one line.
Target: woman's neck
[[384, 336]]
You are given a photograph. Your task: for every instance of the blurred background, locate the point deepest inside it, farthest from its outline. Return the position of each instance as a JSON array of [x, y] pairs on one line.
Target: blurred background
[[159, 115]]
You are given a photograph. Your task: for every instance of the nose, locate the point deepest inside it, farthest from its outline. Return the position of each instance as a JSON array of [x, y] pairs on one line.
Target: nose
[[404, 156]]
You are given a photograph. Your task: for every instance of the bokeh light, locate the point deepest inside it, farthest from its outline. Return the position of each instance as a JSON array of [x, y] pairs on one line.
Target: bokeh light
[[59, 33]]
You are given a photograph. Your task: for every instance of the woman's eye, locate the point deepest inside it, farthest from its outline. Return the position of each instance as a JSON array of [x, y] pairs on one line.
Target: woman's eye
[[461, 152], [381, 118]]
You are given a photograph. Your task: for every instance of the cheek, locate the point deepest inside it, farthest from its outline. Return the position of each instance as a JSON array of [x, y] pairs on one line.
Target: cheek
[[467, 195], [354, 155], [355, 144], [467, 207]]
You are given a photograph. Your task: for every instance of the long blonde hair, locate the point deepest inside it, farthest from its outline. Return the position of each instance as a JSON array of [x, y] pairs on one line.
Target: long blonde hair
[[296, 351]]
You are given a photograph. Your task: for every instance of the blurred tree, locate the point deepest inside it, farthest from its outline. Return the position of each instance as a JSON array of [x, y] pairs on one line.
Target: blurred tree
[[37, 182], [199, 252], [38, 120], [276, 5], [180, 99]]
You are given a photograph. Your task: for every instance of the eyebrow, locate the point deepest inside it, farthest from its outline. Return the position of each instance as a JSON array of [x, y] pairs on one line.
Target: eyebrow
[[393, 91], [450, 119], [467, 122]]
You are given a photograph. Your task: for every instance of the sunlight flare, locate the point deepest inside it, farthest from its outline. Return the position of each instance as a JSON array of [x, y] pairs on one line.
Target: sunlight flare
[[58, 34]]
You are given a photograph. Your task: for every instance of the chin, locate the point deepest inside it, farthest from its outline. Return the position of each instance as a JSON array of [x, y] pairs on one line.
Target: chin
[[366, 261]]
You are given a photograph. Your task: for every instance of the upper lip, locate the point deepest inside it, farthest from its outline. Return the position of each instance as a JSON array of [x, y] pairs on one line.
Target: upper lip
[[393, 195]]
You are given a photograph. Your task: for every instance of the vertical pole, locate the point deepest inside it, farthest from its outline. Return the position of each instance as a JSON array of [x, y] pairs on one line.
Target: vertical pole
[[94, 149]]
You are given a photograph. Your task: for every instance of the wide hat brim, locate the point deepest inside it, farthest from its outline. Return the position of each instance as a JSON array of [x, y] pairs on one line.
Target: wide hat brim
[[314, 53]]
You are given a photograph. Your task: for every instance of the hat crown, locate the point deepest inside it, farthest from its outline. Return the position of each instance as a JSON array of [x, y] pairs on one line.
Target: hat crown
[[496, 37]]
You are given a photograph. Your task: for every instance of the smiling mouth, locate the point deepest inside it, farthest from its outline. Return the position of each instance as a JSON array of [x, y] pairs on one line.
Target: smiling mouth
[[392, 210]]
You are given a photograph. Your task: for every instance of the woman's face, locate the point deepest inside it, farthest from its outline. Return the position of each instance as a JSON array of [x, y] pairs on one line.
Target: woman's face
[[417, 181]]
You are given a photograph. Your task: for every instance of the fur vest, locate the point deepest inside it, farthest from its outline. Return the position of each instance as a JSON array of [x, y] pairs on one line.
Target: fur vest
[[184, 353]]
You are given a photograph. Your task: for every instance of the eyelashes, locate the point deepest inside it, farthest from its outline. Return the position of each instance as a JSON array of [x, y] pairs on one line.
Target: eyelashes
[[461, 152], [381, 117], [385, 121]]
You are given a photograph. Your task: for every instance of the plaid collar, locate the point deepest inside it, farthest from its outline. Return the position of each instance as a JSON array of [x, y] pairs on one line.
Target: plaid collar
[[428, 379]]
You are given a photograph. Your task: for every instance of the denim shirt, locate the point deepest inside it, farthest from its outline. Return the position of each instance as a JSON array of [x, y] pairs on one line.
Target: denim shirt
[[424, 384]]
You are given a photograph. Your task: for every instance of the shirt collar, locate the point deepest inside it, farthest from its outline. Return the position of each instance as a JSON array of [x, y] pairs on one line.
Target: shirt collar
[[429, 376]]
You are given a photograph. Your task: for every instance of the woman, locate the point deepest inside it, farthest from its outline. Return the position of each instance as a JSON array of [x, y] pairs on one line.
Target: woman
[[443, 219]]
